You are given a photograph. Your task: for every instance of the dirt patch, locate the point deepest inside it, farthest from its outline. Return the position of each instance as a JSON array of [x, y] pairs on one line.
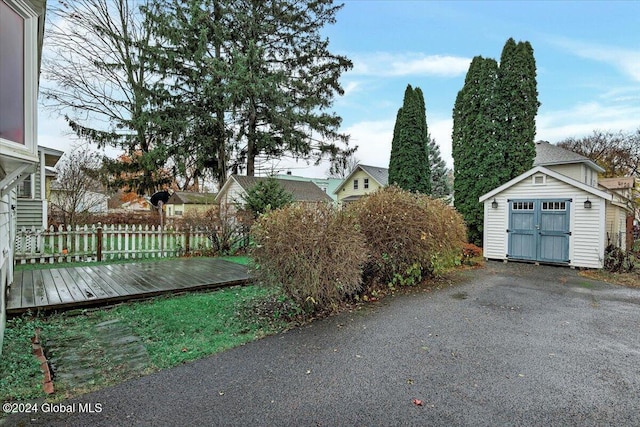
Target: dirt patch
[[630, 280]]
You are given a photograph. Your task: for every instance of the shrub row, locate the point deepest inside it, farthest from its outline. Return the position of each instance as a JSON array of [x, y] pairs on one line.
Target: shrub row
[[314, 254], [321, 254]]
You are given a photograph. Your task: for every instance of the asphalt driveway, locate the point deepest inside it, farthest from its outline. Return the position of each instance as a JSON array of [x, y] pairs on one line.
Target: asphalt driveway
[[516, 344]]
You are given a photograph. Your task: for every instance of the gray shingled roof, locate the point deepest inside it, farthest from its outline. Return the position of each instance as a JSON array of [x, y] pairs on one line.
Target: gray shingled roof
[[190, 197], [379, 174], [303, 191], [549, 154]]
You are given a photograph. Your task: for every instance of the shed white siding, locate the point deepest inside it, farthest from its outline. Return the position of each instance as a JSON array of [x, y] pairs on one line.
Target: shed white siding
[[587, 240]]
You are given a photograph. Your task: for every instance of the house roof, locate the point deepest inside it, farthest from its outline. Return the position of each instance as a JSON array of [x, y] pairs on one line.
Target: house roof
[[51, 155], [191, 198], [328, 185], [618, 183], [548, 154], [378, 174], [560, 177], [381, 175], [302, 191]]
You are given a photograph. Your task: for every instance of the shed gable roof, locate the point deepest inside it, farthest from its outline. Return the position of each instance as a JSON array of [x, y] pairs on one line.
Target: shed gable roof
[[541, 169], [549, 154]]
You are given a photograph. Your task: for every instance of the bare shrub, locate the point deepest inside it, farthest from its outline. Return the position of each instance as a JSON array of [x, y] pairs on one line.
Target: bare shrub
[[227, 235], [408, 236], [315, 254]]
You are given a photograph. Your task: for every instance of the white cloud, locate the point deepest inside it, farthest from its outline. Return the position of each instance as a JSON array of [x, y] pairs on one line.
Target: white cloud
[[625, 60], [385, 64], [373, 139], [582, 119]]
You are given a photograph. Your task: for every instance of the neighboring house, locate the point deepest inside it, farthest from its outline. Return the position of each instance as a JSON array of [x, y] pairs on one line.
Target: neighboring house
[[362, 180], [236, 187], [184, 202], [123, 202], [624, 192], [553, 213], [22, 24], [328, 185], [33, 197], [91, 199], [140, 205]]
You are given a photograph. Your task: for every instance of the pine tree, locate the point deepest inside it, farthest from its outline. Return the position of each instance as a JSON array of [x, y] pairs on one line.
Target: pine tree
[[440, 186], [99, 77], [517, 106], [268, 194], [409, 161], [475, 149]]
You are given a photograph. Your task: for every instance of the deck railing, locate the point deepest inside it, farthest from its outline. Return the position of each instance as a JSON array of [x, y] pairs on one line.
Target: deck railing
[[106, 242]]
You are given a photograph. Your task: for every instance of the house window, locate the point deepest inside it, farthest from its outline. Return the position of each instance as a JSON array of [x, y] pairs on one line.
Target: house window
[[355, 184], [539, 179], [366, 183], [178, 213], [12, 75], [24, 188]]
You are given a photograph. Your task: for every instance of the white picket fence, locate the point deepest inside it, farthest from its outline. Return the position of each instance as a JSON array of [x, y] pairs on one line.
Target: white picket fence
[[106, 242]]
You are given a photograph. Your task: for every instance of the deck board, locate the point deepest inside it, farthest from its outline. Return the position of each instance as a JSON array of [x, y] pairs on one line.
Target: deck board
[[52, 292], [27, 289], [65, 288]]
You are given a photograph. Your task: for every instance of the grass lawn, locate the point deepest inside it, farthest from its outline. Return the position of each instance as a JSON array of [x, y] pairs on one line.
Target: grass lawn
[[172, 329]]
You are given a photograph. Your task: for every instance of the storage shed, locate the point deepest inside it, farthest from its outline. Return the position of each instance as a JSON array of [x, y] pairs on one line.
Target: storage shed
[[554, 213]]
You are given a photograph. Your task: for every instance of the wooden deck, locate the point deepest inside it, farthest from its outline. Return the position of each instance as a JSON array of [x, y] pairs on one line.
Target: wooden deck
[[65, 288]]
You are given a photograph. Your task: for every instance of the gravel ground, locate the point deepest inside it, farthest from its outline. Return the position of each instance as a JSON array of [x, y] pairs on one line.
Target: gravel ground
[[514, 344]]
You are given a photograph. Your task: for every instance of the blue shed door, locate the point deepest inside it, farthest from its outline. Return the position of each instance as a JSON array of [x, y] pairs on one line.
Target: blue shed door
[[539, 230]]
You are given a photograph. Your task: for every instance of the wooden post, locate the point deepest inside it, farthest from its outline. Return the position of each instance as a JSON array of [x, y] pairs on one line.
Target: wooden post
[[161, 229], [186, 241], [99, 242]]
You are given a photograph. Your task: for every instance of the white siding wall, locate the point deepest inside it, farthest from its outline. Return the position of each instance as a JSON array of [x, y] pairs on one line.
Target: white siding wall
[[6, 258], [496, 222], [587, 241]]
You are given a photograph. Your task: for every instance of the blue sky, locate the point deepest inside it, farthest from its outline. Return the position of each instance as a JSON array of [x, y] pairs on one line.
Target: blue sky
[[587, 56]]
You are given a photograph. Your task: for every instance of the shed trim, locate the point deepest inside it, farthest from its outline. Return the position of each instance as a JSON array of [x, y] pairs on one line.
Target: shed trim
[[556, 175]]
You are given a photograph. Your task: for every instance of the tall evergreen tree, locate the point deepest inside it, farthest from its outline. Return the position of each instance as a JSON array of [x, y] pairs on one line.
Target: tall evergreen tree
[[440, 186], [98, 76], [517, 106], [190, 110], [475, 147], [493, 128], [262, 67], [409, 161]]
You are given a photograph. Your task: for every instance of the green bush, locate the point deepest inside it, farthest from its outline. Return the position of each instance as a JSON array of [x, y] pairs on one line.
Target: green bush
[[314, 253], [408, 236]]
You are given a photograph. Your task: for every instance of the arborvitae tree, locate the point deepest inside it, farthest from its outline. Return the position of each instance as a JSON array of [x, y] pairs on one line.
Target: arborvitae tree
[[493, 128], [409, 162], [440, 186], [517, 106], [475, 148]]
